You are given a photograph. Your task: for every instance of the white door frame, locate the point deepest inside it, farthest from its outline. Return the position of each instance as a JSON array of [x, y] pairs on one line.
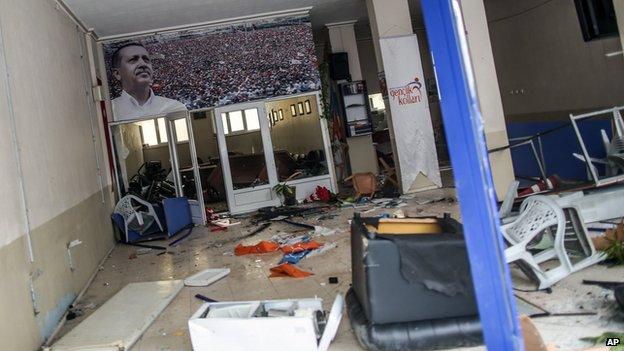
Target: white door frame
[[266, 190], [173, 153], [327, 146]]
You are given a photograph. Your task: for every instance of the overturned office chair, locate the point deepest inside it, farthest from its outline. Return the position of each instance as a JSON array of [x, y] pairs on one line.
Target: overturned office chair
[[137, 217], [541, 216]]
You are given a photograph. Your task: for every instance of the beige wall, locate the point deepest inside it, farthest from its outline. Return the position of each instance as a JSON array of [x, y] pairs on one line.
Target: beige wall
[[541, 55], [10, 206], [488, 93], [65, 201], [205, 137], [161, 153], [245, 144], [366, 51], [299, 134]]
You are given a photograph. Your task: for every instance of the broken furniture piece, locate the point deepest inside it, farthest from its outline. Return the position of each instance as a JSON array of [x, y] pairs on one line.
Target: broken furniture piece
[[119, 323], [537, 155], [617, 287], [541, 216], [389, 173], [177, 215], [614, 149], [272, 325], [411, 291], [504, 212], [364, 184], [137, 218], [596, 205]]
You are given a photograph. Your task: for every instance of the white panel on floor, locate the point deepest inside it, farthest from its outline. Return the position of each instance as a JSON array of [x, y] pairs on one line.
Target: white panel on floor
[[206, 277], [121, 321]]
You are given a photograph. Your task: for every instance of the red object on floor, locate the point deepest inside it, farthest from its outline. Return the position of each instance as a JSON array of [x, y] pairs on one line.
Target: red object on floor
[[260, 248], [216, 228], [301, 246], [288, 270], [320, 194], [211, 215], [551, 183]]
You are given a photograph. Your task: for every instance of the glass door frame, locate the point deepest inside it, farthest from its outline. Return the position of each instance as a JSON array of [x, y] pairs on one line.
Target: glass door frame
[[267, 148], [173, 155], [170, 119]]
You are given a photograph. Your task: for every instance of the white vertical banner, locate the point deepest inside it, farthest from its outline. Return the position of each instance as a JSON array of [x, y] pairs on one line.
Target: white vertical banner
[[410, 115]]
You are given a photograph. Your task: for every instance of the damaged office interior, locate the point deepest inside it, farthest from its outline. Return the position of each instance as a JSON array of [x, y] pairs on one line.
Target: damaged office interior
[[383, 175]]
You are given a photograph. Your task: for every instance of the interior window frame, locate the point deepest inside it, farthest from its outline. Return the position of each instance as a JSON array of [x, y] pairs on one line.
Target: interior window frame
[[160, 143]]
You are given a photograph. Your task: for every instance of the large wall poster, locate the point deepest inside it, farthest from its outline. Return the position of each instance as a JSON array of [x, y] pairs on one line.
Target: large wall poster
[[213, 66]]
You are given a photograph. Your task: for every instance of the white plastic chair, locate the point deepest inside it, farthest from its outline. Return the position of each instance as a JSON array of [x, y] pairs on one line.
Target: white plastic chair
[[540, 215], [614, 161], [504, 213], [128, 211]]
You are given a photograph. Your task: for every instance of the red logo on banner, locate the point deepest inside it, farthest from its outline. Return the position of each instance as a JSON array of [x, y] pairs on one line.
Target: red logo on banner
[[407, 94]]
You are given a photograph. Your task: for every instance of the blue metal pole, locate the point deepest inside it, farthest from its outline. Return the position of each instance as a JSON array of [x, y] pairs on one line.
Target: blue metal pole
[[464, 133]]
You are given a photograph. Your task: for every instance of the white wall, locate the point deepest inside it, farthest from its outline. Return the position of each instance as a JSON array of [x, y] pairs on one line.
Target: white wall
[[48, 89], [12, 225], [51, 112], [542, 52]]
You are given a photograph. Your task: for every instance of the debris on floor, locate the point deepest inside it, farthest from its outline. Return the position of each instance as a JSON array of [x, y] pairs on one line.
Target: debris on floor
[[321, 250], [288, 270], [301, 246], [265, 325], [254, 277], [224, 223], [260, 248], [139, 303], [321, 194], [612, 242], [206, 277]]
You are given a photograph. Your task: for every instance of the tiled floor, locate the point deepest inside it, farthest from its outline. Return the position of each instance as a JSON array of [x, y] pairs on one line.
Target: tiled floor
[[249, 280]]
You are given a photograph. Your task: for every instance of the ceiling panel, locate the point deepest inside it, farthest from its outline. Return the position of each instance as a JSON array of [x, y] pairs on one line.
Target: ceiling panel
[[115, 17]]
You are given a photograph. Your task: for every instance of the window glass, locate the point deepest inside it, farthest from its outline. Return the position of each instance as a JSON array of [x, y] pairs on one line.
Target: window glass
[[162, 130], [148, 130], [225, 124], [181, 130], [236, 121], [251, 117], [298, 146]]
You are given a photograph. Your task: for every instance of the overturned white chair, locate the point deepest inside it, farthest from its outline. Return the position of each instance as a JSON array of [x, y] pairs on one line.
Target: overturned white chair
[[504, 213], [136, 222], [541, 216]]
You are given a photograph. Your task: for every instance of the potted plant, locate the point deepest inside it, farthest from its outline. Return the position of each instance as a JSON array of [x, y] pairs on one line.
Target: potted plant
[[286, 193]]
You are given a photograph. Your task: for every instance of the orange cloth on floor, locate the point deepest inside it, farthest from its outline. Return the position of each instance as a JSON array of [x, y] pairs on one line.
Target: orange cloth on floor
[[261, 247], [301, 246], [288, 270]]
